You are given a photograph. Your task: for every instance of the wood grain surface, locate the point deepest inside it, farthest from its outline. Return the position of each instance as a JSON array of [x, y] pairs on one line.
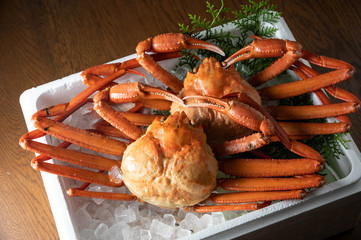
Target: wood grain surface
[[43, 40]]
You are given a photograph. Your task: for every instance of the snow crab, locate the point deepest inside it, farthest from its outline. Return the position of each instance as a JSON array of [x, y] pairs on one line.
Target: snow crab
[[170, 164]]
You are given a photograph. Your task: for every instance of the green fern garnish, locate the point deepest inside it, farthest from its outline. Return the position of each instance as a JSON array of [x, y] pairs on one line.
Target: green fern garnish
[[250, 20], [259, 19], [199, 24]]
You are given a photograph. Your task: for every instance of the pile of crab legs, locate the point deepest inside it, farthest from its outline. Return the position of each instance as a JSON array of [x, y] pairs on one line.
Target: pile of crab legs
[[259, 181]]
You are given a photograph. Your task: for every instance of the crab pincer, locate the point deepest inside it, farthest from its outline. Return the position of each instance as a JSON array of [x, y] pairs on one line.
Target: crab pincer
[[167, 43]]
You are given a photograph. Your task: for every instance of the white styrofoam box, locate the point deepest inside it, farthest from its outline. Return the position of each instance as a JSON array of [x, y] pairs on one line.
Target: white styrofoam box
[[348, 169]]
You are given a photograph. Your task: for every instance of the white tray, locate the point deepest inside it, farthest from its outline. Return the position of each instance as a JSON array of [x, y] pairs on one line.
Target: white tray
[[348, 168]]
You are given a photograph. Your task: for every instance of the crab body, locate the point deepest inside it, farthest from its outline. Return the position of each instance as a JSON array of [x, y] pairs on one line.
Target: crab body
[[211, 79], [159, 167]]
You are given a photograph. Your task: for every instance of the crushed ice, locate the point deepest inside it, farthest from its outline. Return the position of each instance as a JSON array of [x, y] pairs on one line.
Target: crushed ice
[[136, 220]]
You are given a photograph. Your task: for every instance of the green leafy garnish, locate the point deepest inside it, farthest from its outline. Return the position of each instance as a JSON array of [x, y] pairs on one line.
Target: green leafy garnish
[[253, 19], [258, 19]]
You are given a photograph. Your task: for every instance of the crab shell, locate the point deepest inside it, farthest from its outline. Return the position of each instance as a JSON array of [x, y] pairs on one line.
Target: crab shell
[[211, 79], [170, 166]]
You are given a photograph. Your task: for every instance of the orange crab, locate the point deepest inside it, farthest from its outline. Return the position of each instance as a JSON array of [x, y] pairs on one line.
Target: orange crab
[[171, 164]]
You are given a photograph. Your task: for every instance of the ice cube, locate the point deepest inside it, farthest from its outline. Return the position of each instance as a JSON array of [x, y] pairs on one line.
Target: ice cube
[[145, 234], [145, 222], [228, 215], [181, 215], [86, 233], [135, 232], [169, 219], [135, 207], [189, 221], [116, 174], [83, 218], [160, 229], [104, 215], [218, 218], [115, 232], [180, 232], [86, 108], [204, 222], [125, 215], [100, 230], [145, 212]]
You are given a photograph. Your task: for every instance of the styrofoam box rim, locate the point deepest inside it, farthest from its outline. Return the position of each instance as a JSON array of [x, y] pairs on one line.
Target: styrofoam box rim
[[276, 212]]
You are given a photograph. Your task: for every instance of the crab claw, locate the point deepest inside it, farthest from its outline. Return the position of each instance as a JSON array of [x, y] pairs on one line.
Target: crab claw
[[174, 42], [194, 43], [266, 48], [157, 93], [133, 92], [237, 111]]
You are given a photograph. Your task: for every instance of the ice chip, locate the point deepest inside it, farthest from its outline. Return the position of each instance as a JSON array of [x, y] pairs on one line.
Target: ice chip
[[104, 215], [86, 108], [100, 230], [145, 222], [189, 221], [115, 232], [204, 222], [135, 232], [124, 107], [135, 207], [181, 215], [83, 218], [115, 174], [145, 212], [163, 230], [86, 233], [169, 220], [218, 218], [180, 232], [125, 215], [145, 234]]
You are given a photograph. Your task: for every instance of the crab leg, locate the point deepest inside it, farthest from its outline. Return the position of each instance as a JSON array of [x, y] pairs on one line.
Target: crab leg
[[288, 51], [333, 90], [270, 167], [255, 120], [72, 134], [271, 184], [73, 105], [78, 174], [170, 42], [242, 197], [103, 195], [129, 92], [244, 144], [75, 157], [240, 112], [304, 128], [92, 75], [301, 69], [72, 156], [255, 190], [311, 111], [319, 93], [231, 207], [292, 89]]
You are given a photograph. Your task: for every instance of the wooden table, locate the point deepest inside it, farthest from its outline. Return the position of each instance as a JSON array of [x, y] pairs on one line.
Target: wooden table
[[41, 41]]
